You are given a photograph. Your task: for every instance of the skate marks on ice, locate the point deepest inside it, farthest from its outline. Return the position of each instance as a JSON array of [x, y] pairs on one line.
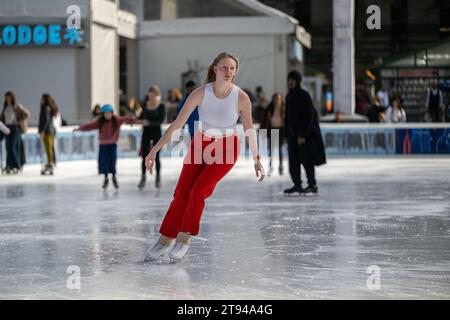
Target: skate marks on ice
[[255, 243]]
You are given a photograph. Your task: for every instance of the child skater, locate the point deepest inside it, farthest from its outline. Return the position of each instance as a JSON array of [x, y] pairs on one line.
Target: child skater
[[220, 103], [108, 125]]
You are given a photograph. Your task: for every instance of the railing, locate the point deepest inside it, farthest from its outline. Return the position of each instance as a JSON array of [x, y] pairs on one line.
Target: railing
[[340, 139]]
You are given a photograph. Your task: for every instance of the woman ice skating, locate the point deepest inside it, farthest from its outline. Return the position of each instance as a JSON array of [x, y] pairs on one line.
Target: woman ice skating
[[14, 116], [213, 152], [108, 125], [152, 115], [47, 130]]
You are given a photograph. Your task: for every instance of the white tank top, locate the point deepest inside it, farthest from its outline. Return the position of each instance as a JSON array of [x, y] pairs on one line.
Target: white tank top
[[218, 116]]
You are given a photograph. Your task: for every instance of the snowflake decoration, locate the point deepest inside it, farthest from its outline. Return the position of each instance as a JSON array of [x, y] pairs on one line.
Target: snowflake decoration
[[73, 35]]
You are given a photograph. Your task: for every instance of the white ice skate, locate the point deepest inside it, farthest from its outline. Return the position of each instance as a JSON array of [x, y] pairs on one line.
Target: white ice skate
[[48, 170], [178, 252], [157, 251]]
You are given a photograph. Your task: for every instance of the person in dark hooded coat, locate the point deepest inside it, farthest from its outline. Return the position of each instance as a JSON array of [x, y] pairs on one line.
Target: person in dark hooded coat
[[305, 144]]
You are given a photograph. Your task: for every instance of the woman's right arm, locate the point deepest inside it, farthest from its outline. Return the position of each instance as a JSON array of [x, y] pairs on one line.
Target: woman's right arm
[[193, 100]]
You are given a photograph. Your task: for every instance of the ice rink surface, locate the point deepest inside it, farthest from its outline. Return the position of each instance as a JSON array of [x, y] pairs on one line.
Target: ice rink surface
[[390, 215]]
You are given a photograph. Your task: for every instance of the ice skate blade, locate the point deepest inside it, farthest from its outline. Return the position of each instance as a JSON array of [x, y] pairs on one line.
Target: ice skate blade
[[152, 259], [159, 258], [309, 194], [149, 259], [293, 195], [175, 261]]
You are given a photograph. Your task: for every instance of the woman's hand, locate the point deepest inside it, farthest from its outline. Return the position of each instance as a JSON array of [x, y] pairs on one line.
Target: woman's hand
[[150, 160], [42, 135], [259, 170]]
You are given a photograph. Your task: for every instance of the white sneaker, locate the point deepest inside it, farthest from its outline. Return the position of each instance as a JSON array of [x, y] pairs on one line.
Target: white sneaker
[[157, 251], [179, 251]]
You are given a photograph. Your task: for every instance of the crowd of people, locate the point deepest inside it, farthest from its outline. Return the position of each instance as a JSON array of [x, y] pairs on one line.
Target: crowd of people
[[218, 105], [14, 122], [388, 107], [272, 114]]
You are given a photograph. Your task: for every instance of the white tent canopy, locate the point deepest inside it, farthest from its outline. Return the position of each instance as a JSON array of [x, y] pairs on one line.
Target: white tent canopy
[[215, 26], [269, 21], [260, 39]]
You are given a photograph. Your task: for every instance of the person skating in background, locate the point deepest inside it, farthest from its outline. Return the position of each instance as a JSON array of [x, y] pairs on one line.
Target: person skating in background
[[96, 111], [15, 117], [152, 116], [132, 108], [434, 103], [305, 144], [395, 113], [47, 130], [273, 119], [174, 95], [220, 103], [259, 105], [58, 123], [193, 118], [108, 126]]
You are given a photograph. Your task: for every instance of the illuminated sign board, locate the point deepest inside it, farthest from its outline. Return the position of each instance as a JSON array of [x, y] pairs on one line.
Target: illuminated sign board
[[54, 35]]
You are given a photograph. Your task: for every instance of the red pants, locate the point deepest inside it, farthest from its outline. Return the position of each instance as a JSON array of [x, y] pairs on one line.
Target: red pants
[[197, 181]]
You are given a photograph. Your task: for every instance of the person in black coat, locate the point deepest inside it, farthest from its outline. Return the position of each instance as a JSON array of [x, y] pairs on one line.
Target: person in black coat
[[305, 144]]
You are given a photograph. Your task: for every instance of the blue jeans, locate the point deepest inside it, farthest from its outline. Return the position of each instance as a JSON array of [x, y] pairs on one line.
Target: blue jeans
[[13, 148]]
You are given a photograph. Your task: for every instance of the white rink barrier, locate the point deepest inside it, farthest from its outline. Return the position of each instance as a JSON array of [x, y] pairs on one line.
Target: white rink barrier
[[340, 139]]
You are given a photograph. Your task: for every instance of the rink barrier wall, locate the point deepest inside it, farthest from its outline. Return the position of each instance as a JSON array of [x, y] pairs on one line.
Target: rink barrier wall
[[339, 139]]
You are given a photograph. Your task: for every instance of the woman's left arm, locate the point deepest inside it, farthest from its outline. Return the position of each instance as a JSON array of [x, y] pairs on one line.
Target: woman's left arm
[[245, 109]]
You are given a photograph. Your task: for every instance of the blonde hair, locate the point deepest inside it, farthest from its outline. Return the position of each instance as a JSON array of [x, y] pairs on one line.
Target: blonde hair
[[211, 75]]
